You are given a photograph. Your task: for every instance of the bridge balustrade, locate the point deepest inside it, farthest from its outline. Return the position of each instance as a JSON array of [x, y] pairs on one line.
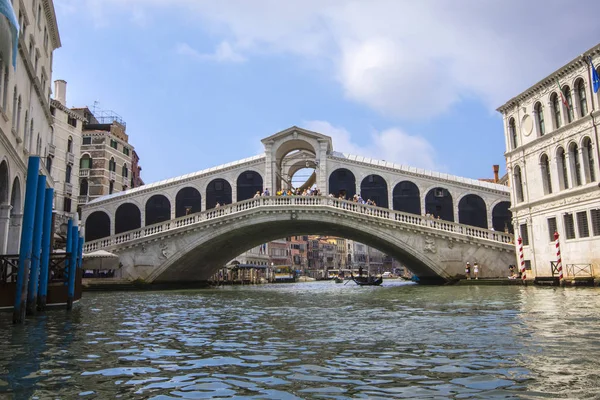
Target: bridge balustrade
[[301, 201]]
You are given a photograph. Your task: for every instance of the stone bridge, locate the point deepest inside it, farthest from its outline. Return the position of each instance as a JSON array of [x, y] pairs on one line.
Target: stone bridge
[[187, 227], [193, 247]]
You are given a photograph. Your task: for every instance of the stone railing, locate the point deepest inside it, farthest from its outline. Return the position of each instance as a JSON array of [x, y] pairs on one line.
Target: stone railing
[[84, 172], [288, 203]]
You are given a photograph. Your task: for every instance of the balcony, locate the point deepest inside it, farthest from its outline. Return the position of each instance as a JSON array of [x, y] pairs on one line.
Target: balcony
[[51, 150], [83, 199], [70, 158], [68, 188], [84, 172], [112, 175]]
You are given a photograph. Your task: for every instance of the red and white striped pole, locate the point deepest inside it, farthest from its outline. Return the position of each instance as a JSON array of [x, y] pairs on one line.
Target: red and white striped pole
[[558, 257], [521, 258]]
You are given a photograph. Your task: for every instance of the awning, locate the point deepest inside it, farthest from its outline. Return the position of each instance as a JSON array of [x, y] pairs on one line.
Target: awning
[[9, 33], [100, 259]]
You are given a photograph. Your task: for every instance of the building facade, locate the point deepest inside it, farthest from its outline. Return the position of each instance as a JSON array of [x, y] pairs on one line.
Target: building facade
[[63, 157], [25, 119], [552, 157]]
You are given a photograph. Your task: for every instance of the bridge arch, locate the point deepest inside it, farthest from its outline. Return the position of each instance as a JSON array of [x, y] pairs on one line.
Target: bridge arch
[[248, 183], [342, 182], [502, 217], [127, 218], [187, 201], [407, 197], [218, 191], [158, 209], [97, 226], [472, 211], [375, 187], [438, 203]]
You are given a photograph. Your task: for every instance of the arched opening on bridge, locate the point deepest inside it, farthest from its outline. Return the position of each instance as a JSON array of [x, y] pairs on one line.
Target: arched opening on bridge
[[374, 188], [502, 217], [407, 198], [218, 191], [4, 182], [248, 184], [97, 226], [188, 201], [127, 218], [342, 182], [292, 156], [438, 203], [472, 211], [158, 209]]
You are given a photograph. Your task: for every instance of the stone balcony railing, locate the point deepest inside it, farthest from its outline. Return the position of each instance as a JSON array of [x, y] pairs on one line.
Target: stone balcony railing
[[277, 203], [70, 158], [51, 150], [83, 199], [68, 188], [112, 176], [84, 172]]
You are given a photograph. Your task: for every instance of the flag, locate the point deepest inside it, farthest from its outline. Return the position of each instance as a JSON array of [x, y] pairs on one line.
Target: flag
[[595, 78], [562, 95]]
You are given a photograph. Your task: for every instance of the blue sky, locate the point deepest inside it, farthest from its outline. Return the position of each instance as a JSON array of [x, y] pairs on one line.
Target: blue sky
[[199, 83]]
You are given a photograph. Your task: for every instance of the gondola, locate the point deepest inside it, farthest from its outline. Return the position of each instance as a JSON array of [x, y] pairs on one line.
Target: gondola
[[367, 280], [338, 279]]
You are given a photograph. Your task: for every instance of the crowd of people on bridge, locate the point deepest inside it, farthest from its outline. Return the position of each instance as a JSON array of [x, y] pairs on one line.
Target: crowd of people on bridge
[[357, 198]]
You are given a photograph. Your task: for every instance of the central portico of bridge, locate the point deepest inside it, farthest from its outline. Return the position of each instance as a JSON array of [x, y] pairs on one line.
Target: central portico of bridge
[[187, 227]]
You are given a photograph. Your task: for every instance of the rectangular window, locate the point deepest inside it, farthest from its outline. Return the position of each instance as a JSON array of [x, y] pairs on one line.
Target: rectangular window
[[569, 226], [72, 121], [528, 265], [126, 150], [595, 214], [582, 224], [113, 144], [67, 204], [524, 234], [87, 140], [551, 228]]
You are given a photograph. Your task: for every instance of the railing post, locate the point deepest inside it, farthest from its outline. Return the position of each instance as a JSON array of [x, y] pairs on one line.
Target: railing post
[[33, 167], [72, 267], [46, 250], [34, 273]]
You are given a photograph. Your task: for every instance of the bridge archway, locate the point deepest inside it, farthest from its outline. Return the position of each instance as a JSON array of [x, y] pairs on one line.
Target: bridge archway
[[97, 226], [342, 182], [502, 217], [218, 191], [438, 202], [187, 201], [248, 183], [158, 209], [472, 211], [374, 187], [127, 218], [407, 197]]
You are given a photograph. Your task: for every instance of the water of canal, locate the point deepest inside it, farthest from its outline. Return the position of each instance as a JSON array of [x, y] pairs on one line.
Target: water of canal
[[310, 340]]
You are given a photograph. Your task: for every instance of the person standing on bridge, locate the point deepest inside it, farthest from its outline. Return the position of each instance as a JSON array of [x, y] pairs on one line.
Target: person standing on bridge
[[468, 270]]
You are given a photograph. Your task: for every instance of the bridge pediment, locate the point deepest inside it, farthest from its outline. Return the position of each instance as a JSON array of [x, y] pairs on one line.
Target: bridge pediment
[[296, 133]]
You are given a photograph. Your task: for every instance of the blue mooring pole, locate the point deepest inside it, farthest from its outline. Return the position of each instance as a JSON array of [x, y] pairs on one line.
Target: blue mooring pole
[[34, 272], [68, 250], [72, 267], [46, 250], [80, 252], [33, 168]]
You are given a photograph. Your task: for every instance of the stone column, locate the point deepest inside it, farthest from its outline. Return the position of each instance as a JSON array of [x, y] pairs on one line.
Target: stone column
[[358, 182], [570, 171], [390, 196], [112, 224], [575, 105], [4, 226], [322, 183], [233, 192], [14, 234]]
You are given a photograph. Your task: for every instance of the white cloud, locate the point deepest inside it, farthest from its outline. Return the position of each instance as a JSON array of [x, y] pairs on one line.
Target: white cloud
[[410, 59], [223, 53], [391, 145]]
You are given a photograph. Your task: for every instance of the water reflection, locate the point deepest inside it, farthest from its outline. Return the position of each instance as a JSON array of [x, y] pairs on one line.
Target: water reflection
[[311, 340]]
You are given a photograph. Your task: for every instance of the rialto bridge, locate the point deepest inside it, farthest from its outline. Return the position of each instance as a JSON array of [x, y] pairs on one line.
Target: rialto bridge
[[185, 228]]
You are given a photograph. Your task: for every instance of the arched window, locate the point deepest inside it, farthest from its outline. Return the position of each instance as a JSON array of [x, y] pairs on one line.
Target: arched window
[[588, 160], [14, 116], [518, 178], [583, 109], [85, 162], [556, 110], [25, 132], [68, 174], [38, 148], [575, 164], [512, 132], [124, 171], [70, 145], [49, 163], [563, 175], [19, 117], [31, 136], [546, 178], [5, 94], [567, 94], [112, 165], [539, 115]]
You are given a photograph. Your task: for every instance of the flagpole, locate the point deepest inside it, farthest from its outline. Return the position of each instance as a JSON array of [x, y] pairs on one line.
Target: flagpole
[[594, 124]]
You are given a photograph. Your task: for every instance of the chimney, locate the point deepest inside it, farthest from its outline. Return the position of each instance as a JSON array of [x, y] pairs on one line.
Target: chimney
[[496, 169], [60, 91]]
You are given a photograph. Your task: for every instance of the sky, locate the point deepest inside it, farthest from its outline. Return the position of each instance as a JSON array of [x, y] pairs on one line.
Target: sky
[[199, 83]]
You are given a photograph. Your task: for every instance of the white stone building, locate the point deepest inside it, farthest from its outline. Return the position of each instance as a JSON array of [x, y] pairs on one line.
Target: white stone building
[[552, 159], [25, 119], [64, 154]]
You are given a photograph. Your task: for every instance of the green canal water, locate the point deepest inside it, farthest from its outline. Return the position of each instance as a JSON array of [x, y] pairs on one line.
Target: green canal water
[[310, 340]]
